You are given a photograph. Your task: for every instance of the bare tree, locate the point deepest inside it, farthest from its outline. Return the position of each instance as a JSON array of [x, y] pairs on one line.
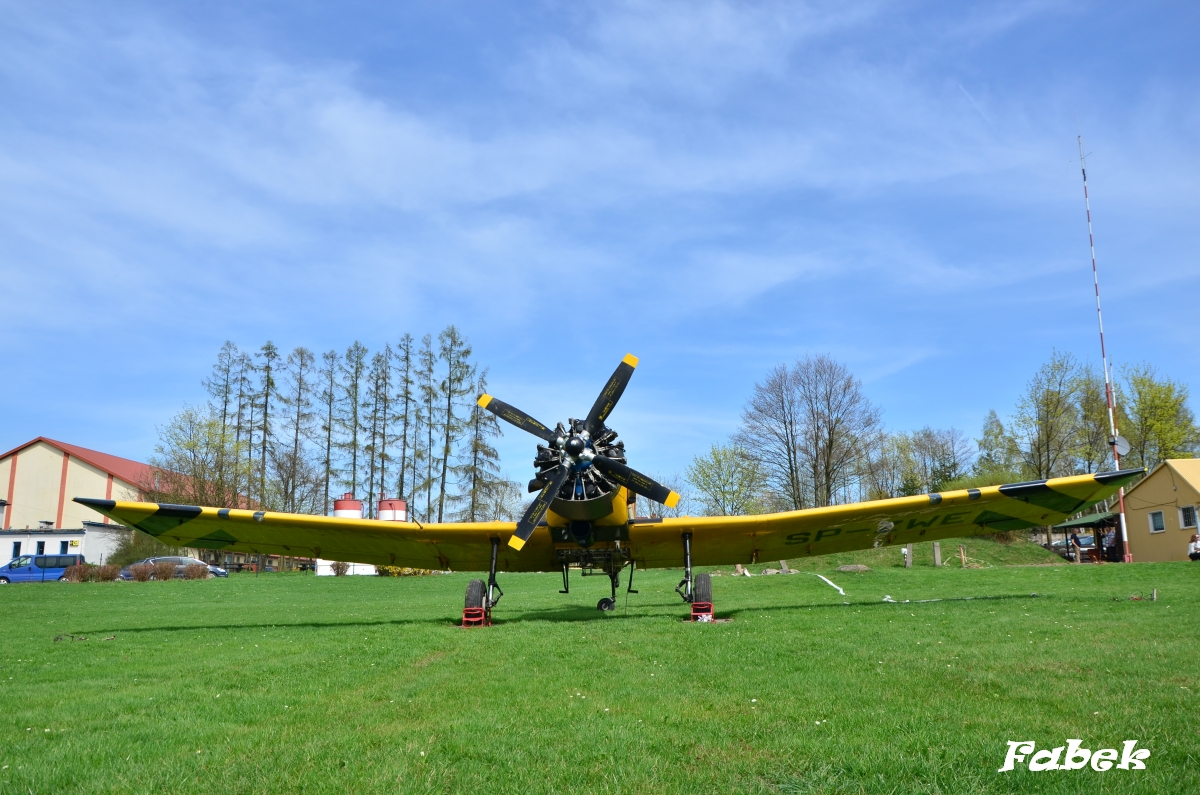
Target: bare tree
[[838, 426], [773, 431]]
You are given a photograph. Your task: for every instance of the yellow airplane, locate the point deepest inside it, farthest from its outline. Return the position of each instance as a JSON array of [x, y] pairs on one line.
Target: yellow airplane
[[581, 519]]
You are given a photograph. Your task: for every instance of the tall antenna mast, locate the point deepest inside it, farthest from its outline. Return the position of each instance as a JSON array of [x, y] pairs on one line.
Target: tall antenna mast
[[1108, 390]]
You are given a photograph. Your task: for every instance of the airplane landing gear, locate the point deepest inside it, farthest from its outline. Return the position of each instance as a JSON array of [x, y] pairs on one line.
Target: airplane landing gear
[[481, 598], [606, 604], [610, 603]]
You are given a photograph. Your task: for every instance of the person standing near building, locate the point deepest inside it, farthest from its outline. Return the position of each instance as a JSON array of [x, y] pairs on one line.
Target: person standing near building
[[1194, 548]]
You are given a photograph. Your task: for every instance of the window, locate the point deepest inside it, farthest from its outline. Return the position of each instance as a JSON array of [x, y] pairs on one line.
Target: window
[[1187, 517], [1156, 521], [16, 549], [41, 547], [63, 546]]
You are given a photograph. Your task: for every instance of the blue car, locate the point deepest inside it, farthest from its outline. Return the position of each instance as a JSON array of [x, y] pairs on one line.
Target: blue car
[[37, 568]]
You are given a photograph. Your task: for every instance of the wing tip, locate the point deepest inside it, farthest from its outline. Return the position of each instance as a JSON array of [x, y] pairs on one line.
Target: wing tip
[[630, 360], [672, 500], [484, 400], [516, 542], [95, 504]]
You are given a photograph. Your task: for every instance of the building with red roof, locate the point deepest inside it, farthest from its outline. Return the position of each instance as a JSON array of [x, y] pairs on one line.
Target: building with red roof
[[38, 480]]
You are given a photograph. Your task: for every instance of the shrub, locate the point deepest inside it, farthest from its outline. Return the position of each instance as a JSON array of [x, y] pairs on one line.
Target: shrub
[[80, 572], [340, 567], [109, 572], [400, 571], [196, 571], [164, 570], [142, 572]]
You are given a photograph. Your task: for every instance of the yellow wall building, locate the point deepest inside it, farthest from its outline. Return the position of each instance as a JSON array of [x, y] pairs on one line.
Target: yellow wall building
[[1161, 511], [38, 480]]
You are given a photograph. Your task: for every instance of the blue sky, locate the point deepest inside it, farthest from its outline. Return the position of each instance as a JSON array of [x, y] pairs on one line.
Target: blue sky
[[715, 187]]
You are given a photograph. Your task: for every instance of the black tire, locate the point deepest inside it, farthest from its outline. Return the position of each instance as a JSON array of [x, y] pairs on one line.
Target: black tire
[[3, 581], [476, 593], [606, 604], [702, 588], [62, 578]]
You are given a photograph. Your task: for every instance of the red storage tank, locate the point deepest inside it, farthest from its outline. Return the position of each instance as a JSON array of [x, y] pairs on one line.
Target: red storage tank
[[392, 510], [348, 507]]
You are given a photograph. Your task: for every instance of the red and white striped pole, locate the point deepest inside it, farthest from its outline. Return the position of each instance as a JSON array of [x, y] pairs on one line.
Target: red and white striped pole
[[1108, 390]]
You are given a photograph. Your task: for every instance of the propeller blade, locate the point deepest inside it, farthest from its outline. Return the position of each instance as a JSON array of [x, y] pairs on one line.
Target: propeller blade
[[635, 481], [537, 509], [517, 417], [610, 395]]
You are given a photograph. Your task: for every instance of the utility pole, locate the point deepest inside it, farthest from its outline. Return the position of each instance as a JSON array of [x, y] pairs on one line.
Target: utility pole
[[1108, 391]]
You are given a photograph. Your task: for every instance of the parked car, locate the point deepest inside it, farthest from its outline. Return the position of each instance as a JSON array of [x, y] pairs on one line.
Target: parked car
[[180, 565], [37, 568]]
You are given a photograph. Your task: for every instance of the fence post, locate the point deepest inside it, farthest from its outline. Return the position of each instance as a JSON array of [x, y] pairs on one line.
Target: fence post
[[937, 553], [908, 556], [962, 556]]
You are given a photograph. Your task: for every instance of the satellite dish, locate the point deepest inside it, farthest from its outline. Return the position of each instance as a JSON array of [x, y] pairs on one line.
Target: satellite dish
[[1121, 443]]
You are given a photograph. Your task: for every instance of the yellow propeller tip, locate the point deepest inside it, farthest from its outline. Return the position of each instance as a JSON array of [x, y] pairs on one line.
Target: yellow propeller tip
[[672, 500], [630, 360], [484, 400], [515, 542]]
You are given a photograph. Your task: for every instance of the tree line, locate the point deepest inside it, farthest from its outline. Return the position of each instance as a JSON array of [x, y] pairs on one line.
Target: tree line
[[809, 437], [291, 432]]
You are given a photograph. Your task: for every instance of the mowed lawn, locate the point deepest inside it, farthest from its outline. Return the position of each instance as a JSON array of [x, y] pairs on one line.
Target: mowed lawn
[[290, 683]]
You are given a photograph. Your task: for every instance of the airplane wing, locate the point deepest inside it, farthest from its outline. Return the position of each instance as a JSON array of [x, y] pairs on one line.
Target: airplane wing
[[724, 540], [457, 546], [716, 540]]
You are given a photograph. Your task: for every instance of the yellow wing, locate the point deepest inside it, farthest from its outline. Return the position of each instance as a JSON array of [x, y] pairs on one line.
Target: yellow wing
[[460, 546], [717, 540], [724, 540]]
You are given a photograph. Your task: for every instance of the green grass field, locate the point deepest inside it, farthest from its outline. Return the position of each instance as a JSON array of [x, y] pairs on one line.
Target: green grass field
[[289, 683]]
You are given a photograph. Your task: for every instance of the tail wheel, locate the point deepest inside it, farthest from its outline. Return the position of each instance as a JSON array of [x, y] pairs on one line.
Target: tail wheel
[[702, 588], [476, 593], [606, 604]]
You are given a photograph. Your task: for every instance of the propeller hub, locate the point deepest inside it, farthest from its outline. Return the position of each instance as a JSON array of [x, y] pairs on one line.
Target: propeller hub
[[575, 446]]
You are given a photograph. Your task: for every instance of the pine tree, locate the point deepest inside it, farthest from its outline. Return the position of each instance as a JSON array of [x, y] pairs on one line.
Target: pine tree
[[404, 404], [455, 351], [354, 371], [329, 392], [221, 386], [298, 400], [375, 407], [267, 388], [244, 423], [478, 473], [428, 385]]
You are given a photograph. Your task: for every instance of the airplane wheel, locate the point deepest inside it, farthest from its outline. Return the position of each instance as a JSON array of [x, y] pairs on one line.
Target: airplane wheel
[[702, 588], [606, 604], [475, 593]]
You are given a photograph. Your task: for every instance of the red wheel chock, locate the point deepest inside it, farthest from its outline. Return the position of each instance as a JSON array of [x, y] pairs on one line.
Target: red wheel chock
[[702, 611], [476, 617]]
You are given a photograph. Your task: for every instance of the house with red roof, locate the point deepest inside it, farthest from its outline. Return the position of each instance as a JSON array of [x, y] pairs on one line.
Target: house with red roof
[[38, 480]]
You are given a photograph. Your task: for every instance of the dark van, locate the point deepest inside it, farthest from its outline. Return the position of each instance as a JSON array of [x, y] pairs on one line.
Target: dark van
[[37, 568]]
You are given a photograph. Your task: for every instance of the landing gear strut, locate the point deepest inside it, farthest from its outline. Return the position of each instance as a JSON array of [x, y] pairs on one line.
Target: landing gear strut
[[684, 588], [610, 603]]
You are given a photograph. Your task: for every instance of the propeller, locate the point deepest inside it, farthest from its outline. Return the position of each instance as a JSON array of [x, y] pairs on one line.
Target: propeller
[[586, 450]]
